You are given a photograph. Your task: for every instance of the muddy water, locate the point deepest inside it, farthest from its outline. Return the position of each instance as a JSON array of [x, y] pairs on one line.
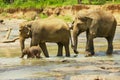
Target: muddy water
[[98, 67]]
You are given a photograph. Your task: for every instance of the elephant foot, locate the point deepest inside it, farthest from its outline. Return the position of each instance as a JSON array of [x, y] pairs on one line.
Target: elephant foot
[[76, 52], [68, 55], [21, 56], [88, 54], [109, 53], [38, 57], [47, 56], [59, 55]]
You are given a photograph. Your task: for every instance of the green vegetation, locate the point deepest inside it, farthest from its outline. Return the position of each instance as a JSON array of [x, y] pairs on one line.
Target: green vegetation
[[100, 2], [44, 3], [67, 18], [43, 16], [36, 3]]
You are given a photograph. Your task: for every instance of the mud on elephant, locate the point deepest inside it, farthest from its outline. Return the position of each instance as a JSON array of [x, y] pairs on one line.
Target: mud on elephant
[[96, 23], [32, 52], [46, 30]]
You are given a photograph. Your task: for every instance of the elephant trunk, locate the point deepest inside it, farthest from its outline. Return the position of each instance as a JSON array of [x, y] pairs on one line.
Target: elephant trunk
[[22, 43], [73, 45], [75, 41]]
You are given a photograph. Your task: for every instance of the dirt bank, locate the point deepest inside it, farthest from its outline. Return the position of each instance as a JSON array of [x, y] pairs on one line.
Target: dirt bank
[[32, 13]]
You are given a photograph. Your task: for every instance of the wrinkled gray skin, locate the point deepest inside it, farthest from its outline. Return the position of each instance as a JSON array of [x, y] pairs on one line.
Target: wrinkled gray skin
[[32, 52], [46, 30], [96, 24]]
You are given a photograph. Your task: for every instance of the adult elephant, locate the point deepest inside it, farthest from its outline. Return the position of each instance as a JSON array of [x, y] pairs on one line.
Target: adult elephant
[[96, 23], [46, 30]]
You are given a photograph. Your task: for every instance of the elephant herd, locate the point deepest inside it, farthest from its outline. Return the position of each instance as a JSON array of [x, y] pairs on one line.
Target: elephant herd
[[95, 23]]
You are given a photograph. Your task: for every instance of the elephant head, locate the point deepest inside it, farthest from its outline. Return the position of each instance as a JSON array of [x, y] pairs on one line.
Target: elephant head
[[80, 24], [25, 32]]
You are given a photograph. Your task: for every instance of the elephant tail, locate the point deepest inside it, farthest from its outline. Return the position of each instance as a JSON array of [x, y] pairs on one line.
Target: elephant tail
[[114, 27], [115, 23]]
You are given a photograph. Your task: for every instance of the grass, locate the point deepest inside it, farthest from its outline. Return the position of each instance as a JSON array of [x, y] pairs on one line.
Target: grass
[[67, 18], [43, 16], [36, 4], [45, 3]]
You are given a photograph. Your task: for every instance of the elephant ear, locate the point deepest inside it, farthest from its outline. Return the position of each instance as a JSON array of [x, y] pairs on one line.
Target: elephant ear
[[85, 19], [92, 24]]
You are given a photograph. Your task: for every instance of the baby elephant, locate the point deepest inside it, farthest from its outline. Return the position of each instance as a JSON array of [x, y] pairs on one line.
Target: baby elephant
[[32, 52]]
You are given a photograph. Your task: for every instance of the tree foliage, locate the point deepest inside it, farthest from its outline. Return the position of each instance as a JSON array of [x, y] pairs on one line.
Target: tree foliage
[[8, 1]]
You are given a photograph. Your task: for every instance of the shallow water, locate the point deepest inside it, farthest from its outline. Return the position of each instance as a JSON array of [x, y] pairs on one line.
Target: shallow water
[[56, 68], [60, 68]]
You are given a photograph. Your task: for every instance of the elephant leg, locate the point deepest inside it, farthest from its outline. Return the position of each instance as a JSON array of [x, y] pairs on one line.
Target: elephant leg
[[34, 41], [44, 49], [28, 55], [67, 50], [89, 46], [22, 55], [60, 49], [110, 45]]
